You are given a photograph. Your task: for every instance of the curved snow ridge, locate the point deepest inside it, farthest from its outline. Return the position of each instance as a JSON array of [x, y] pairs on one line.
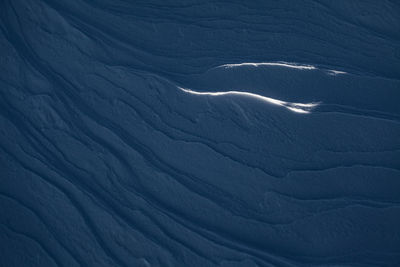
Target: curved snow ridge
[[281, 64], [335, 72], [278, 64], [292, 106]]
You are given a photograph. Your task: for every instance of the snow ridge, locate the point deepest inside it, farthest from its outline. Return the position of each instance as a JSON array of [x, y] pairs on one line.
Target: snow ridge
[[295, 107]]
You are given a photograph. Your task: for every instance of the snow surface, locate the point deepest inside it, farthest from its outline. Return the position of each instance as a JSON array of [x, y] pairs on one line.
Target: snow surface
[[199, 133]]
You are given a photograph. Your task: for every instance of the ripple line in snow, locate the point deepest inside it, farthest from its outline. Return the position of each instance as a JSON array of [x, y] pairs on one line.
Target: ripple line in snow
[[282, 64], [295, 107], [278, 64]]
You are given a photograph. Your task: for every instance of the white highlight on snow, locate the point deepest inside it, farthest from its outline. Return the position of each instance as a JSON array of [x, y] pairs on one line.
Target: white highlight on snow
[[336, 72], [296, 107], [282, 64], [278, 64]]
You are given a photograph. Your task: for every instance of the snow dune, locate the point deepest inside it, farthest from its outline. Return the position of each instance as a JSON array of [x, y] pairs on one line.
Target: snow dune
[[254, 161]]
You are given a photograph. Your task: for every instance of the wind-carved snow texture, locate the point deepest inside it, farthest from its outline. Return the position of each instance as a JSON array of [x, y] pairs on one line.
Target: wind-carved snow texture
[[106, 161]]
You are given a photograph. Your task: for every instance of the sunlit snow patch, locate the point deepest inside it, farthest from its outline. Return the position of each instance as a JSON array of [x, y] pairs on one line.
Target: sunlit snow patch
[[336, 72], [278, 64], [281, 64], [296, 107]]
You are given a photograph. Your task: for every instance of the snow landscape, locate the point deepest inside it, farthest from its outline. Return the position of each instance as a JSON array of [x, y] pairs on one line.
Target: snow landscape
[[199, 133]]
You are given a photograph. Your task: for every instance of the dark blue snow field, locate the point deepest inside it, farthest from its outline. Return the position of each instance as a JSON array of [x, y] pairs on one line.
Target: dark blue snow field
[[199, 133]]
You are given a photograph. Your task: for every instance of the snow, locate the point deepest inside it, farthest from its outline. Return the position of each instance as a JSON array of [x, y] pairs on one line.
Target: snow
[[296, 107], [199, 133], [278, 64]]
